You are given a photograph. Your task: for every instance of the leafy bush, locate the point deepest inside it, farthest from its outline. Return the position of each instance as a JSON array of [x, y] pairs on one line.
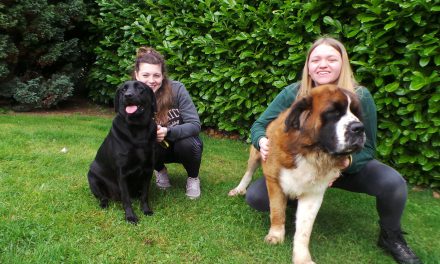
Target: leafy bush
[[397, 54], [40, 43], [234, 56], [40, 93]]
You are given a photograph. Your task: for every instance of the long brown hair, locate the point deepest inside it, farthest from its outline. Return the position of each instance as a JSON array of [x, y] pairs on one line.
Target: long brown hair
[[346, 78], [164, 95]]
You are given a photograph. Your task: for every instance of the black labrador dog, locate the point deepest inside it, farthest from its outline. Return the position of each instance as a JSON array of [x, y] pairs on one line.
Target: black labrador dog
[[124, 163]]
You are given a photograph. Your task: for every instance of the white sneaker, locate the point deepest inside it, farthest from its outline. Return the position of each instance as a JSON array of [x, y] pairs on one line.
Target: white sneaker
[[193, 188], [162, 179]]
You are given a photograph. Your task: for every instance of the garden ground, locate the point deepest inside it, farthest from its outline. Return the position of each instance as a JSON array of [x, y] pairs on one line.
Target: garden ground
[[48, 215]]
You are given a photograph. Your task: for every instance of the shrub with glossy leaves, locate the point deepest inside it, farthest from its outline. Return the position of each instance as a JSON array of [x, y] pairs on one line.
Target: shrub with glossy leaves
[[234, 56]]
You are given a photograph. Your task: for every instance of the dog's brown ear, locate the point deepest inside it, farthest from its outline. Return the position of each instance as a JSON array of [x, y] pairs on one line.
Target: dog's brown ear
[[297, 113]]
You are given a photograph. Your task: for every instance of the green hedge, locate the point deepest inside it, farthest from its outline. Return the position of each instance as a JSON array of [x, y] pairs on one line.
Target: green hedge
[[235, 56]]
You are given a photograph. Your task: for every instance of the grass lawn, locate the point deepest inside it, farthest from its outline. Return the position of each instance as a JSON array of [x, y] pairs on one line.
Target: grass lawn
[[48, 214]]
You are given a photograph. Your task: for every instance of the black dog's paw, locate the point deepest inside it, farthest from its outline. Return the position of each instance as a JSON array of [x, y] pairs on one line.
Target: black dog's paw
[[103, 203], [132, 219], [146, 209], [148, 212]]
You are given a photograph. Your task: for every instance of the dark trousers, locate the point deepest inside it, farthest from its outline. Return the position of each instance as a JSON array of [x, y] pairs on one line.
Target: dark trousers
[[375, 179], [187, 151]]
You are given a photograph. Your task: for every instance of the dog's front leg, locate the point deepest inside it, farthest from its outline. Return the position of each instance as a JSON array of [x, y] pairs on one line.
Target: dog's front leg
[[278, 202], [130, 216], [145, 189], [308, 207]]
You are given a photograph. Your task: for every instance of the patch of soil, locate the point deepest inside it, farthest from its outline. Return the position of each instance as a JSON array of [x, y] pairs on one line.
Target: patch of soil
[[77, 105], [212, 132], [84, 106]]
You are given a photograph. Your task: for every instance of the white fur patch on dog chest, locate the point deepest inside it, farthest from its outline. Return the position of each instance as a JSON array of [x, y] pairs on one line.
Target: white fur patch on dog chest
[[307, 177]]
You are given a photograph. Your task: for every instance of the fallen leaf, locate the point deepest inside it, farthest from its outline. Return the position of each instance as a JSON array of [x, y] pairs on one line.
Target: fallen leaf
[[148, 242], [436, 195], [417, 188]]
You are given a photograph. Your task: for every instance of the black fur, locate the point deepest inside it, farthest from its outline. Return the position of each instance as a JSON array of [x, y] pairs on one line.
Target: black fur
[[124, 163]]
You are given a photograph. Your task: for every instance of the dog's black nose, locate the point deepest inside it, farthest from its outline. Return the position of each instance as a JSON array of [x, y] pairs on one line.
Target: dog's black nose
[[357, 128], [128, 94]]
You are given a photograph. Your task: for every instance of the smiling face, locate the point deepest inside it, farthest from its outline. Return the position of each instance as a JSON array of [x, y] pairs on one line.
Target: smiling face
[[324, 65], [150, 74]]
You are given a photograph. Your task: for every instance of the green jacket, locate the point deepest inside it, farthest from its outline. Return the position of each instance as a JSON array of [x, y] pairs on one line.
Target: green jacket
[[285, 99]]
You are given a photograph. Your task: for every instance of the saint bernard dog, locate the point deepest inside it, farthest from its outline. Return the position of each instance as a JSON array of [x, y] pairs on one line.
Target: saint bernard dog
[[308, 146]]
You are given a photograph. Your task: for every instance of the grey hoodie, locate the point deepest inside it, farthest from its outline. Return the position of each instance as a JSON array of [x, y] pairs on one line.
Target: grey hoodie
[[183, 119]]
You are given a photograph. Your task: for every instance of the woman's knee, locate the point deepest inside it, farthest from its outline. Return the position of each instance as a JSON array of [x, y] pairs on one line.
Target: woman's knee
[[257, 197], [192, 146], [391, 181]]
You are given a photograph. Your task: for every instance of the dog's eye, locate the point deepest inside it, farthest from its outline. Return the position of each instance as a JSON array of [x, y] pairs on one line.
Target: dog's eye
[[355, 110], [333, 113], [142, 90], [337, 113]]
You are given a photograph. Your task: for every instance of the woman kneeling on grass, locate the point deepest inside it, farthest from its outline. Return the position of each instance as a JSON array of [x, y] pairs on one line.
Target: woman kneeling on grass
[[327, 63], [178, 124]]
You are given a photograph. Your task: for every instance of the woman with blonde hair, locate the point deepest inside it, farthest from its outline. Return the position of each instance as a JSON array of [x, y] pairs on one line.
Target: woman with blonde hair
[[327, 63], [178, 123]]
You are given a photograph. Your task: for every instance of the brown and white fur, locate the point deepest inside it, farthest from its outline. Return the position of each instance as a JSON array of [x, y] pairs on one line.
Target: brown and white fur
[[308, 146]]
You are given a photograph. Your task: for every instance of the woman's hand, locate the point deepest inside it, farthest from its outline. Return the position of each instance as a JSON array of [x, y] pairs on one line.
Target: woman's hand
[[161, 133], [264, 147], [346, 162]]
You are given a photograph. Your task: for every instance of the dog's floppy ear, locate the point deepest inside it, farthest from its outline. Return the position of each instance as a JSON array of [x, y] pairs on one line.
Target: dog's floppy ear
[[152, 96], [153, 102], [117, 95], [300, 107]]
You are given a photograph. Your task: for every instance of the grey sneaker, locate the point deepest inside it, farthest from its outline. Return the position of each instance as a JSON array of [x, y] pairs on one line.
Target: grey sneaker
[[162, 180], [193, 188]]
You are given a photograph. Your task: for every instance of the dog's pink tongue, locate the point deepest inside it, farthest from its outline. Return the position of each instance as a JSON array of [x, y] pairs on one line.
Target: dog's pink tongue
[[131, 109]]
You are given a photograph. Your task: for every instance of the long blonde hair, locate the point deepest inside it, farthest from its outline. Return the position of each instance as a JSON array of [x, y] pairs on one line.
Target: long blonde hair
[[164, 95], [346, 78]]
